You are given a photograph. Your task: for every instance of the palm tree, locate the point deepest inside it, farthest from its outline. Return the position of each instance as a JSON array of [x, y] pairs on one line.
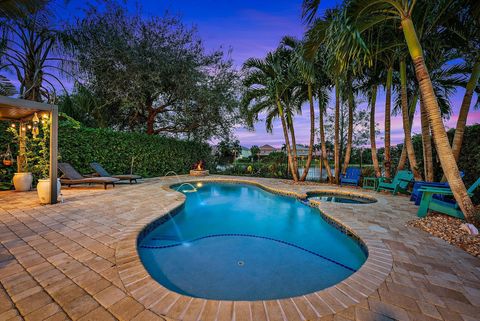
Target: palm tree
[[305, 67], [403, 10], [30, 49], [372, 12], [406, 120], [466, 26], [348, 91], [265, 82], [318, 36]]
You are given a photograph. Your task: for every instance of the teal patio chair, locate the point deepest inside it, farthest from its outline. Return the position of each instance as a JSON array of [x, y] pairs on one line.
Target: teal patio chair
[[443, 206], [398, 184]]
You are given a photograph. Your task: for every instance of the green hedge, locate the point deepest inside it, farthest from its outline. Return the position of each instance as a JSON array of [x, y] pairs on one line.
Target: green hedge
[[79, 146], [153, 155]]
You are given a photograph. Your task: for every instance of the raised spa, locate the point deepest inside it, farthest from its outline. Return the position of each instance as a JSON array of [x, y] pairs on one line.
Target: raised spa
[[339, 198], [240, 242]]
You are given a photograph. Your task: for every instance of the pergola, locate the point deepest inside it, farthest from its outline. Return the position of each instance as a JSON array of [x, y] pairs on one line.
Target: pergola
[[23, 110]]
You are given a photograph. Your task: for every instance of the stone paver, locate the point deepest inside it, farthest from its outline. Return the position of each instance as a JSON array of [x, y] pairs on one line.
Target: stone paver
[[78, 261]]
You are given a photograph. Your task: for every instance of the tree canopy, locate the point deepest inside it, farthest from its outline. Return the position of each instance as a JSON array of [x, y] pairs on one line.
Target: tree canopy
[[153, 74]]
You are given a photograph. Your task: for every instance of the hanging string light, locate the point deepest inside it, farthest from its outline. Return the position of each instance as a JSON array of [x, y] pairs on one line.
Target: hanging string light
[[35, 129]]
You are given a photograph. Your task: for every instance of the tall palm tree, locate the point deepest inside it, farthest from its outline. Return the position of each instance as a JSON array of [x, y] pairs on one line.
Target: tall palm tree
[[406, 120], [466, 27], [265, 83], [348, 91], [306, 71], [32, 52], [320, 36], [403, 10]]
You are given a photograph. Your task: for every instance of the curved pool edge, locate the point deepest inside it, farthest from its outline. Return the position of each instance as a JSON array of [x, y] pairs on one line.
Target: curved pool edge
[[352, 290]]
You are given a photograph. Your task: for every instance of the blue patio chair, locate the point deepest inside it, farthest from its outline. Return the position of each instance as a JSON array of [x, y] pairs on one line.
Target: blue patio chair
[[351, 176], [417, 192]]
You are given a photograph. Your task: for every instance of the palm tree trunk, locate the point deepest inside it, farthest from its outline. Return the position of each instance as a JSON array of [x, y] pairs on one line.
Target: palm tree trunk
[[287, 140], [388, 104], [403, 155], [324, 146], [447, 160], [406, 122], [337, 132], [427, 144], [463, 113], [294, 141], [373, 143], [348, 151], [312, 134]]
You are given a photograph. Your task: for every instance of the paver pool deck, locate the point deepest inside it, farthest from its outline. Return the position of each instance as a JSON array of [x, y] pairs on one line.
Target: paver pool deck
[[78, 261]]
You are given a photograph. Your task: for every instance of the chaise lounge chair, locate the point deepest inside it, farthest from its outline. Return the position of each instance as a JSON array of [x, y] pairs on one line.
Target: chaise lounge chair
[[72, 177], [444, 206], [351, 176], [398, 184], [102, 172], [417, 193]]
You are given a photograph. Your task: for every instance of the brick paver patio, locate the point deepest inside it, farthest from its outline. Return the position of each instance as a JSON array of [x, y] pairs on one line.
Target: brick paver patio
[[77, 260]]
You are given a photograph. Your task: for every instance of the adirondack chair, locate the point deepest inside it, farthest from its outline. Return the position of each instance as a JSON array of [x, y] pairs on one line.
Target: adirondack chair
[[442, 206], [351, 176], [398, 184], [417, 194]]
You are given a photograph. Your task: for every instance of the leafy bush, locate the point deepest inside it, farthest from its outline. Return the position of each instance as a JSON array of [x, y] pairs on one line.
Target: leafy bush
[[153, 155]]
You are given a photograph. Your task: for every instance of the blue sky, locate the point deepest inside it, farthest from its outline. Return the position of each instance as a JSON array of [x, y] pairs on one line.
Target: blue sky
[[252, 28]]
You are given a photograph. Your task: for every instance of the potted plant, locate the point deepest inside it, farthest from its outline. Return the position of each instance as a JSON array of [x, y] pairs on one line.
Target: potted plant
[[22, 179], [40, 159]]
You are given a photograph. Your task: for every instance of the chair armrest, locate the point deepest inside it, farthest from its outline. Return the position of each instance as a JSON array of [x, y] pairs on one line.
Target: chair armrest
[[384, 179], [438, 190]]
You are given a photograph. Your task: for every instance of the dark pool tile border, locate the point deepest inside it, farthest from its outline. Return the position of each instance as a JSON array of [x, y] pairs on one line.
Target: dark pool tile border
[[158, 299]]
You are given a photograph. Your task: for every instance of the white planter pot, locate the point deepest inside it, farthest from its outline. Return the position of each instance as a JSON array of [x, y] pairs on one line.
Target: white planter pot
[[22, 181], [43, 190]]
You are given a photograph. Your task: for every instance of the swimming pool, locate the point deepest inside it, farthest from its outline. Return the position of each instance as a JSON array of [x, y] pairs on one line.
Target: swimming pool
[[240, 242]]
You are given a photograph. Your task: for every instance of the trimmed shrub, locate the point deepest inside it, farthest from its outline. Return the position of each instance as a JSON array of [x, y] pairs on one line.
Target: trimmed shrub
[[153, 155]]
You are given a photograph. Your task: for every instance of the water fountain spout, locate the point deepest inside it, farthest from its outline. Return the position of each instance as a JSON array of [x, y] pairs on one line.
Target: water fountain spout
[[194, 189], [172, 172]]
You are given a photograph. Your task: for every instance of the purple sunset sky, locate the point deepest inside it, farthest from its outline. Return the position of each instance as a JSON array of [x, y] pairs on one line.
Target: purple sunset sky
[[252, 28]]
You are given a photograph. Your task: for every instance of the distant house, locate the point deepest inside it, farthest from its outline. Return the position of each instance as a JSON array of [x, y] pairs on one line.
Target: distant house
[[266, 150], [302, 150]]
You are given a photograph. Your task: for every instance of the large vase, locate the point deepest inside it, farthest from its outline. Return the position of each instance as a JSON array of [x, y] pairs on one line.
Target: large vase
[[22, 181], [43, 190]]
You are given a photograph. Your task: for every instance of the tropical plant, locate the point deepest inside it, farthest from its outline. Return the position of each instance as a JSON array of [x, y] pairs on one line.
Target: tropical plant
[[368, 10], [266, 82], [32, 50]]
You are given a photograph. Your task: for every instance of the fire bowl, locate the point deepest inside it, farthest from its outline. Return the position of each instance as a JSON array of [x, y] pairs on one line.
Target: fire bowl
[[196, 172]]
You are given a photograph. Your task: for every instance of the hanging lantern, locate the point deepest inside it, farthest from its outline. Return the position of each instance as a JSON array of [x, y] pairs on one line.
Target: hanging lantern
[[35, 121], [7, 157]]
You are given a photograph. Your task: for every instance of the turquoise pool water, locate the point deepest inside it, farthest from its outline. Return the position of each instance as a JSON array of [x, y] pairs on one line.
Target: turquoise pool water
[[240, 242]]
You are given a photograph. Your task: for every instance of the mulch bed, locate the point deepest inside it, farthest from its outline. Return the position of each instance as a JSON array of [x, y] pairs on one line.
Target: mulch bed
[[448, 229]]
